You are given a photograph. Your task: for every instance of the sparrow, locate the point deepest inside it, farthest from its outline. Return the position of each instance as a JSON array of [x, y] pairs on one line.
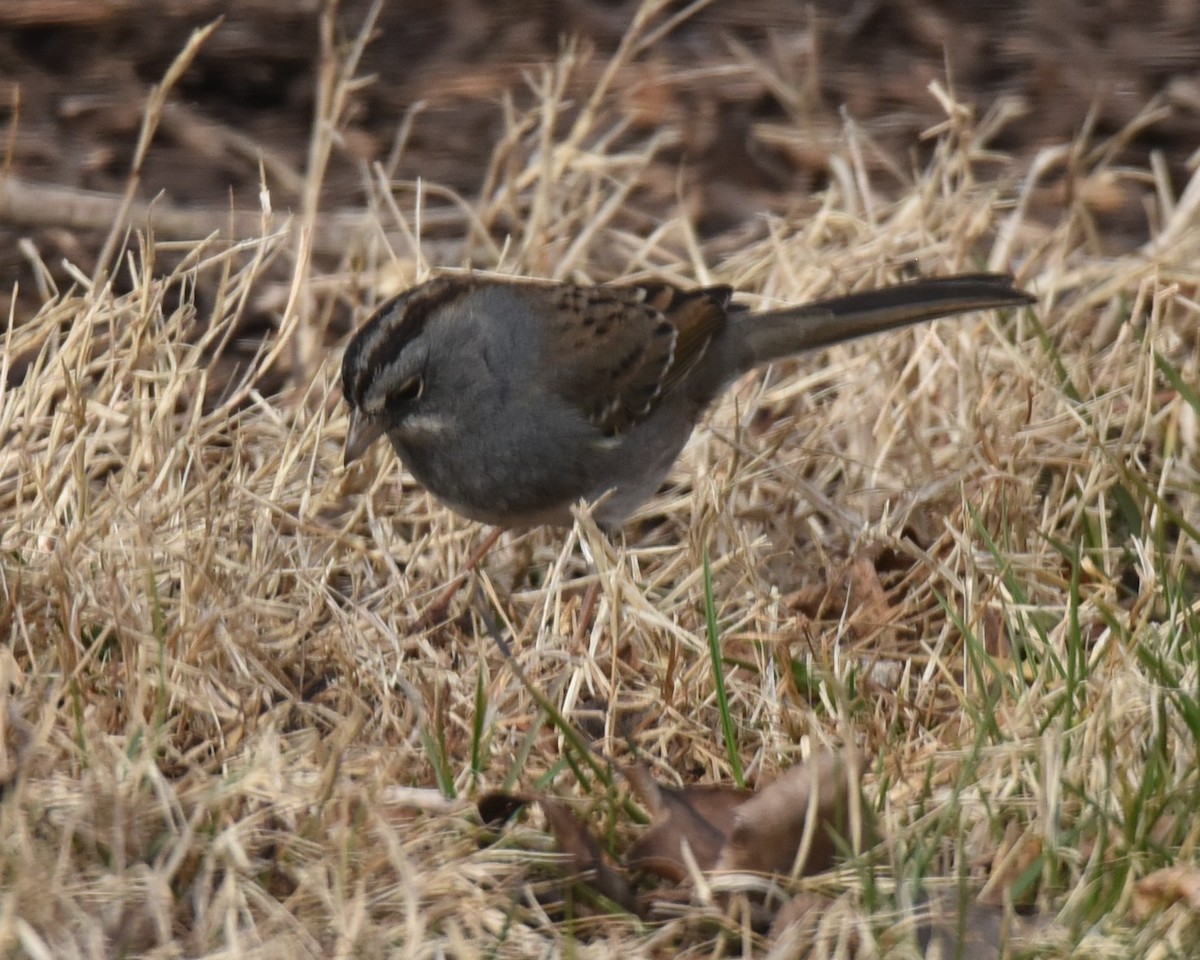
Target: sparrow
[[511, 400]]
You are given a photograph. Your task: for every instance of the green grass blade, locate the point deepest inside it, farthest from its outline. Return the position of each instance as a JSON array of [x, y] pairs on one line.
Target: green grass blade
[[718, 670]]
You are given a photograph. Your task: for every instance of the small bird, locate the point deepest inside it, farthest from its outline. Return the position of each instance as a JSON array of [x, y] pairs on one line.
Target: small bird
[[511, 400]]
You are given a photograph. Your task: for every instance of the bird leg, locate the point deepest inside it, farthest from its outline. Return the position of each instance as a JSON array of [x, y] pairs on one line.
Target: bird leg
[[437, 610]]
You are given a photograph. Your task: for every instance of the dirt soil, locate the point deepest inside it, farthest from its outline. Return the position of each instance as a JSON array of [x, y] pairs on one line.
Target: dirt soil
[[745, 76]]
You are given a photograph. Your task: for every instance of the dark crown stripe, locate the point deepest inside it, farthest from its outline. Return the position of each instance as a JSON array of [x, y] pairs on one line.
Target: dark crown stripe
[[392, 327]]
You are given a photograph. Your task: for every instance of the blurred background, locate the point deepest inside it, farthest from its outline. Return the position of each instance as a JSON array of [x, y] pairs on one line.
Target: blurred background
[[750, 99]]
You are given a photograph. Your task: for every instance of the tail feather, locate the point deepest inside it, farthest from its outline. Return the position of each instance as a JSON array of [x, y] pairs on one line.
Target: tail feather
[[781, 333]]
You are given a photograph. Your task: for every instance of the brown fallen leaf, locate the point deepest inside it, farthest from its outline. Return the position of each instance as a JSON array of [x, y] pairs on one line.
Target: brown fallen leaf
[[994, 631], [795, 818], [701, 816], [977, 931], [792, 826], [1161, 889], [803, 912], [1016, 853], [586, 860], [497, 807], [586, 857], [855, 593]]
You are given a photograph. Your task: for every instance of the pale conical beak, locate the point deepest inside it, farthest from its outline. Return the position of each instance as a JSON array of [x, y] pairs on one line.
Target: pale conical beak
[[363, 432]]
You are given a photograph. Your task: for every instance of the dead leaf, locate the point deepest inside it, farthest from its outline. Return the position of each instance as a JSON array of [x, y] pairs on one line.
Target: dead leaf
[[803, 911], [585, 857], [735, 830], [855, 592], [497, 807], [1163, 888], [1018, 851], [701, 816], [994, 631], [976, 931], [793, 823]]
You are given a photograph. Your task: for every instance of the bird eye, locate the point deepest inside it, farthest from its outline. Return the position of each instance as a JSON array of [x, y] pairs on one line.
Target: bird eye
[[410, 390]]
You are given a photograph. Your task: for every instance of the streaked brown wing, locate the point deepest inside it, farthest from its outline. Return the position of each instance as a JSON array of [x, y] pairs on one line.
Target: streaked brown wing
[[619, 349]]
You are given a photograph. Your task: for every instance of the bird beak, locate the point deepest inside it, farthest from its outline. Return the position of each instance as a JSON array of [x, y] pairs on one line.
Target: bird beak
[[363, 432]]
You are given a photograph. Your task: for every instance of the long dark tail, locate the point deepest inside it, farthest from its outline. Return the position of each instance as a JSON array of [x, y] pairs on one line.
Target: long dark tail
[[781, 333]]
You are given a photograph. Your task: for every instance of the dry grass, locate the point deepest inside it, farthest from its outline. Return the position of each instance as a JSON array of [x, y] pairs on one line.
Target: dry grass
[[226, 734]]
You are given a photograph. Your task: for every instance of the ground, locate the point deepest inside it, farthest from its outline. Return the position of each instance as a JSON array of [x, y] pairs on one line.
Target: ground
[[752, 97], [959, 563]]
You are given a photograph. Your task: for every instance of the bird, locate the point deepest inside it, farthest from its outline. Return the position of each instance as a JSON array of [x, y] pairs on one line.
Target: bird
[[511, 400]]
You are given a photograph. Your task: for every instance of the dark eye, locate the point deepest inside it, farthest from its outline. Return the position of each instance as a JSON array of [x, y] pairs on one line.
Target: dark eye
[[410, 390]]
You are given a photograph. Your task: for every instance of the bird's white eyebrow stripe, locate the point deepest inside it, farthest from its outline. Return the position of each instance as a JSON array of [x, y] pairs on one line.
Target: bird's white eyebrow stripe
[[401, 321], [428, 423]]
